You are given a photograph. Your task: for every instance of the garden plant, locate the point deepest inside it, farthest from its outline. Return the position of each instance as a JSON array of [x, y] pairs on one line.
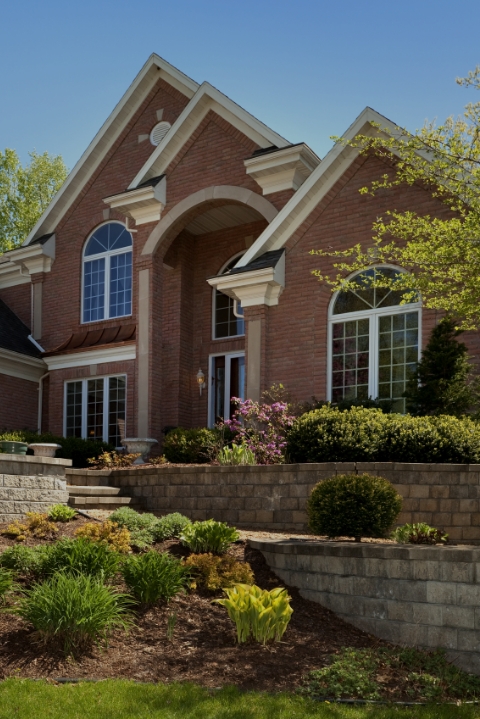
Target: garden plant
[[152, 576], [209, 536], [258, 613], [212, 572]]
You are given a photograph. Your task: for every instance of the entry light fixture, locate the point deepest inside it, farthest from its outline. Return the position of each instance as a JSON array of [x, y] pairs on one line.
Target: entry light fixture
[[200, 381]]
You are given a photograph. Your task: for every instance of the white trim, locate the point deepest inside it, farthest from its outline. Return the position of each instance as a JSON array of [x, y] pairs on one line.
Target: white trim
[[255, 287], [35, 343], [154, 69], [89, 357], [285, 169], [106, 400], [14, 364], [143, 205], [206, 98], [22, 262], [222, 270], [210, 396]]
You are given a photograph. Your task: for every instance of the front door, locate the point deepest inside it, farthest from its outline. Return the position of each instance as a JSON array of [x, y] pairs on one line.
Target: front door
[[227, 380]]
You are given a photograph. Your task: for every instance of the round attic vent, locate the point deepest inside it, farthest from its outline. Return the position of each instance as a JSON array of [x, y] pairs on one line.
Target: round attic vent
[[159, 132]]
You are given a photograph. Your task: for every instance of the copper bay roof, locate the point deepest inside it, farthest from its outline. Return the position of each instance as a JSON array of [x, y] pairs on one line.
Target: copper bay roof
[[91, 339]]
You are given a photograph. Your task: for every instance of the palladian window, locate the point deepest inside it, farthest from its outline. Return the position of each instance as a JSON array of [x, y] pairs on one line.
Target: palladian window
[[374, 342], [227, 313], [107, 273]]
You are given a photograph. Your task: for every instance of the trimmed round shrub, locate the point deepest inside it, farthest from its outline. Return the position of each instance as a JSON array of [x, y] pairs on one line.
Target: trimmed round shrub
[[368, 435], [191, 446], [353, 505]]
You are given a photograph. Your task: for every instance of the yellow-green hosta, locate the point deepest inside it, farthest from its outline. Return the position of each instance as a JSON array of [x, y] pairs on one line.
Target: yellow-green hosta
[[256, 612]]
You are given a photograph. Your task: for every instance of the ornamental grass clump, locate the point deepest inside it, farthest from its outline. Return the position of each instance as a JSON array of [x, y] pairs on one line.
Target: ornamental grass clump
[[77, 610], [6, 583], [80, 556], [152, 576], [209, 536], [419, 533], [264, 615], [211, 572], [353, 505]]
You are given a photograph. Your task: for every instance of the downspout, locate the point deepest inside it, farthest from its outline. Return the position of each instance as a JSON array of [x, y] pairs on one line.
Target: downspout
[[40, 401]]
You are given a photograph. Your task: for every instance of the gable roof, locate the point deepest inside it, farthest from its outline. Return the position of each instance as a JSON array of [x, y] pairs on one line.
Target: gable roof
[[202, 99], [14, 334], [154, 68], [315, 187]]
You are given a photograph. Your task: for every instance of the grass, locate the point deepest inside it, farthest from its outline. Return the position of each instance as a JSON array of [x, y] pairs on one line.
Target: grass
[[24, 699]]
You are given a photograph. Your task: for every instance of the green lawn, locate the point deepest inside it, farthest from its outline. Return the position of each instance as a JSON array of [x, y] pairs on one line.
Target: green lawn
[[25, 699]]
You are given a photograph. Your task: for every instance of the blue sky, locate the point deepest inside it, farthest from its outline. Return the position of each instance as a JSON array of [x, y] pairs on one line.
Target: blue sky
[[306, 68]]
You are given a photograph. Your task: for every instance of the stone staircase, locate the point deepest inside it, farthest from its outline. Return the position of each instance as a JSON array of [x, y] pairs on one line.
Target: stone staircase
[[91, 490]]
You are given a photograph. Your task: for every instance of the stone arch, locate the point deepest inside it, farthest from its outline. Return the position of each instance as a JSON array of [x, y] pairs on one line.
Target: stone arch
[[185, 210]]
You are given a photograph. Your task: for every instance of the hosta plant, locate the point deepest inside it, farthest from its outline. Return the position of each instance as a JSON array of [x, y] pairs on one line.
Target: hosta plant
[[212, 572], [419, 533], [74, 609], [61, 513], [109, 533], [208, 536], [237, 454], [80, 556], [152, 576], [256, 612]]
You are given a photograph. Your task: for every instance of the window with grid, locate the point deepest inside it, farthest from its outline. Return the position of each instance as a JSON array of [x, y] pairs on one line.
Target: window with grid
[[228, 314], [107, 273], [374, 341], [93, 407]]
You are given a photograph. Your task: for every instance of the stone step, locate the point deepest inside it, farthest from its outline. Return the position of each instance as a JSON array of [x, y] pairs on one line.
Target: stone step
[[88, 477], [107, 503], [93, 491]]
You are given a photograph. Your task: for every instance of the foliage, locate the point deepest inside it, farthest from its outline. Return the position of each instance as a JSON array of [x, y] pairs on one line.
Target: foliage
[[384, 405], [158, 460], [419, 533], [74, 609], [74, 448], [61, 513], [212, 572], [368, 435], [237, 454], [6, 583], [145, 529], [26, 561], [279, 393], [262, 428], [80, 556], [109, 533], [442, 383], [442, 254], [208, 536], [380, 672], [192, 446], [171, 526], [353, 505], [37, 525], [256, 612], [153, 576], [110, 460], [25, 193]]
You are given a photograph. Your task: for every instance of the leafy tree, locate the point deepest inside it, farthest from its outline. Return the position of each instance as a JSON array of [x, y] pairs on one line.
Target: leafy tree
[[443, 255], [25, 192], [442, 383]]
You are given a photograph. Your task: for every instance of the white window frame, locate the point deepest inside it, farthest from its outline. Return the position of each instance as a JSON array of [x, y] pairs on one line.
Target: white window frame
[[373, 316], [214, 307], [211, 365], [106, 399], [106, 256]]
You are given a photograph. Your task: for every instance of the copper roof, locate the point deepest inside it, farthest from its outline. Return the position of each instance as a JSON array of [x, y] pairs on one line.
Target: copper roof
[[90, 339]]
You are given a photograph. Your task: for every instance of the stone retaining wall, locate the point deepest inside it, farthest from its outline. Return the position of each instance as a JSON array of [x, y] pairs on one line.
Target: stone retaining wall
[[418, 596], [30, 484], [274, 497]]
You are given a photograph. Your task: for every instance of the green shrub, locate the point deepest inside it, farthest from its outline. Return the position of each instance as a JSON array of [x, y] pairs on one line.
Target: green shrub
[[209, 536], [75, 609], [61, 513], [142, 527], [212, 572], [153, 576], [358, 435], [419, 533], [236, 454], [192, 446], [80, 556], [26, 561], [258, 612], [171, 526], [6, 583], [353, 505]]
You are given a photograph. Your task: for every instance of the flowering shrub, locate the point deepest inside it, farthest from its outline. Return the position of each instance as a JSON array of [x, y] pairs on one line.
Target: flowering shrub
[[262, 428]]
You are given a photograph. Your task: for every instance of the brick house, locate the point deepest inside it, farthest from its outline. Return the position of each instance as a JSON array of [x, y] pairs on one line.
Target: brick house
[[177, 249]]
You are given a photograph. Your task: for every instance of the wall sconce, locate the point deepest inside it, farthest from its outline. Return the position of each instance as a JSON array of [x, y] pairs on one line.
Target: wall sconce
[[200, 381]]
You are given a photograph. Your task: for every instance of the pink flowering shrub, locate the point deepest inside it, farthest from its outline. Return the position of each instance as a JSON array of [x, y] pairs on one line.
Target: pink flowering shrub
[[262, 428]]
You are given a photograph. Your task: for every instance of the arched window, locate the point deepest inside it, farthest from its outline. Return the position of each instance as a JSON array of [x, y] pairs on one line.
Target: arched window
[[374, 342], [107, 273], [227, 313]]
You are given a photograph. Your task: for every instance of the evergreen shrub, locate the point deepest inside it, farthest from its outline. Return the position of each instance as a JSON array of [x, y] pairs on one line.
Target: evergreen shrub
[[353, 505], [192, 446], [368, 435]]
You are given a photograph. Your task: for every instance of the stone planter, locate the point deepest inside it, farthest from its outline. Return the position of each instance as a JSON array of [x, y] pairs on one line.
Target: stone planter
[[140, 445], [41, 449], [13, 447]]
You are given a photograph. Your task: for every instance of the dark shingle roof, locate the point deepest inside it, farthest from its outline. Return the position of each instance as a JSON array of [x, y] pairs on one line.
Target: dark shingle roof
[[14, 334], [268, 259]]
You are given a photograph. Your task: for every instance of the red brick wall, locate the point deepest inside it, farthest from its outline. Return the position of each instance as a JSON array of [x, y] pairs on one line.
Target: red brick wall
[[19, 299], [18, 403]]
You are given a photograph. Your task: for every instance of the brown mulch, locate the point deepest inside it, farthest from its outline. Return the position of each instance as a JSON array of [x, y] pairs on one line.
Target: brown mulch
[[203, 648]]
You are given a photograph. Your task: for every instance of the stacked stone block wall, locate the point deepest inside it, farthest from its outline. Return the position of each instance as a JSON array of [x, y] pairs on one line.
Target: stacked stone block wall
[[30, 484]]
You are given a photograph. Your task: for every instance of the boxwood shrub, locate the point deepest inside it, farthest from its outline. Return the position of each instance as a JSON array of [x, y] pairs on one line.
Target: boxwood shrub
[[368, 435], [192, 446]]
